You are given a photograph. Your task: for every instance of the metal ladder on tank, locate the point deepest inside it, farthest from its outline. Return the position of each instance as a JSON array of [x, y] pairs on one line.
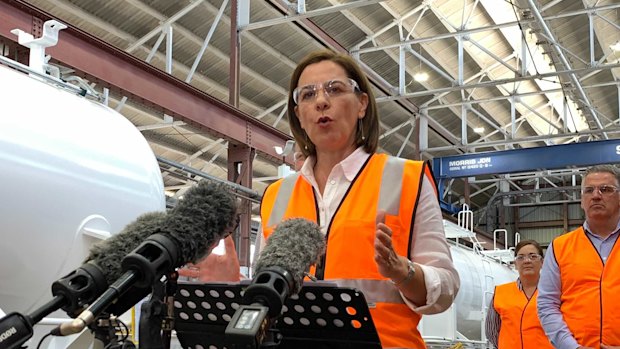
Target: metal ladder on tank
[[503, 255], [487, 294], [465, 219]]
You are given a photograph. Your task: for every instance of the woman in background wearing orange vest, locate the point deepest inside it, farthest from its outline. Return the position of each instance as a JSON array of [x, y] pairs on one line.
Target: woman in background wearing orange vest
[[379, 213], [512, 321]]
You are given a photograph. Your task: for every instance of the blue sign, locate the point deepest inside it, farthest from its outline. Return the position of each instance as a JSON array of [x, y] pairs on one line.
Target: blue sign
[[528, 159]]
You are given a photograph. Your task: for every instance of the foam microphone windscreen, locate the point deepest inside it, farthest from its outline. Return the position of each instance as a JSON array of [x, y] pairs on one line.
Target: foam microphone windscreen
[[205, 215], [107, 254], [294, 246]]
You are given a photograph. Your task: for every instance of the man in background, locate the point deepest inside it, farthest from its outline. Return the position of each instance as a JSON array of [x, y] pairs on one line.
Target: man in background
[[580, 278]]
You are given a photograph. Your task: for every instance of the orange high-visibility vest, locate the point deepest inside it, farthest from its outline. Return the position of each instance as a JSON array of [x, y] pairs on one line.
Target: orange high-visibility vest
[[589, 298], [384, 182], [520, 327]]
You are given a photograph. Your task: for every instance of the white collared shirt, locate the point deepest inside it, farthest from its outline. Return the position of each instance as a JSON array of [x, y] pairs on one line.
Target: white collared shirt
[[429, 247], [338, 182]]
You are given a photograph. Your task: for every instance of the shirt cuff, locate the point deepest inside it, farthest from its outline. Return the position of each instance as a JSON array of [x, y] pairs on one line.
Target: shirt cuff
[[432, 282]]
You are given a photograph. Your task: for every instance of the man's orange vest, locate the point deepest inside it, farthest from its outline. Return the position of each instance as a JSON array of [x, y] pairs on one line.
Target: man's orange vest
[[590, 290], [520, 328], [384, 182]]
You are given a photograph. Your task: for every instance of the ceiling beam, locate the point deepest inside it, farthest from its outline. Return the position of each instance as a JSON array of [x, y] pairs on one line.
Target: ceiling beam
[[132, 76]]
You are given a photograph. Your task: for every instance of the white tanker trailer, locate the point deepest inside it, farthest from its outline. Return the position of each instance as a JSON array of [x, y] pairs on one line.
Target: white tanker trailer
[[479, 274], [72, 172]]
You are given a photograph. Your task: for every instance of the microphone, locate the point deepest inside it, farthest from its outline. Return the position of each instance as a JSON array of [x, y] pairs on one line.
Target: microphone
[[84, 284], [294, 246], [105, 257], [189, 232]]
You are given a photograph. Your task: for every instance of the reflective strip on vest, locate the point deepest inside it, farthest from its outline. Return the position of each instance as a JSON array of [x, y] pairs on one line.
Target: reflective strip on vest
[[389, 197], [284, 193], [375, 291]]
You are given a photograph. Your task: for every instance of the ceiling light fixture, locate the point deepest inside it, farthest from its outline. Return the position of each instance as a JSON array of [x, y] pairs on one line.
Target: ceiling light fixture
[[479, 130], [615, 47], [420, 75]]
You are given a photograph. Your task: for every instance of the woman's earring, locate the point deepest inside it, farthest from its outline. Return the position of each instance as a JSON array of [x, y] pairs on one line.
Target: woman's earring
[[360, 127], [306, 142]]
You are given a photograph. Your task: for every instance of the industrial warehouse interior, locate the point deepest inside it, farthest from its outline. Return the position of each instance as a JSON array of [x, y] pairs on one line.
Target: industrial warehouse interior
[[133, 102]]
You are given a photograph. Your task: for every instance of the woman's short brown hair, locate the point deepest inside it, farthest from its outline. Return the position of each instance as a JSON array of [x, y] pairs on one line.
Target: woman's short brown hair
[[370, 122], [524, 243]]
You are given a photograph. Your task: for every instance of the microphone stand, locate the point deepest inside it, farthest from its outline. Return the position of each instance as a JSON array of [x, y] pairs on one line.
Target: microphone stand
[[157, 315], [101, 330], [104, 330], [168, 323], [151, 318]]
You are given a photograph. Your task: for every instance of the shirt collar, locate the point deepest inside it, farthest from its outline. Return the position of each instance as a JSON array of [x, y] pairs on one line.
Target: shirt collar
[[306, 168], [350, 166], [353, 163], [586, 228]]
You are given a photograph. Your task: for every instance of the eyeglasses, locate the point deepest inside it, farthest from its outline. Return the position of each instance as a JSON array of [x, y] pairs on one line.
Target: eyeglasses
[[331, 88], [532, 256], [602, 189]]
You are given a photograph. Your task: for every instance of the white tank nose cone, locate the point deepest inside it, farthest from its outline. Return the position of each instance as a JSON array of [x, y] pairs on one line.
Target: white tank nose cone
[[72, 172]]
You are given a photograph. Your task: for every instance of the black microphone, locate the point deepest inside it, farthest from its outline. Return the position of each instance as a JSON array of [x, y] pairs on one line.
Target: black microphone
[[189, 232], [84, 284], [105, 257], [294, 246]]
